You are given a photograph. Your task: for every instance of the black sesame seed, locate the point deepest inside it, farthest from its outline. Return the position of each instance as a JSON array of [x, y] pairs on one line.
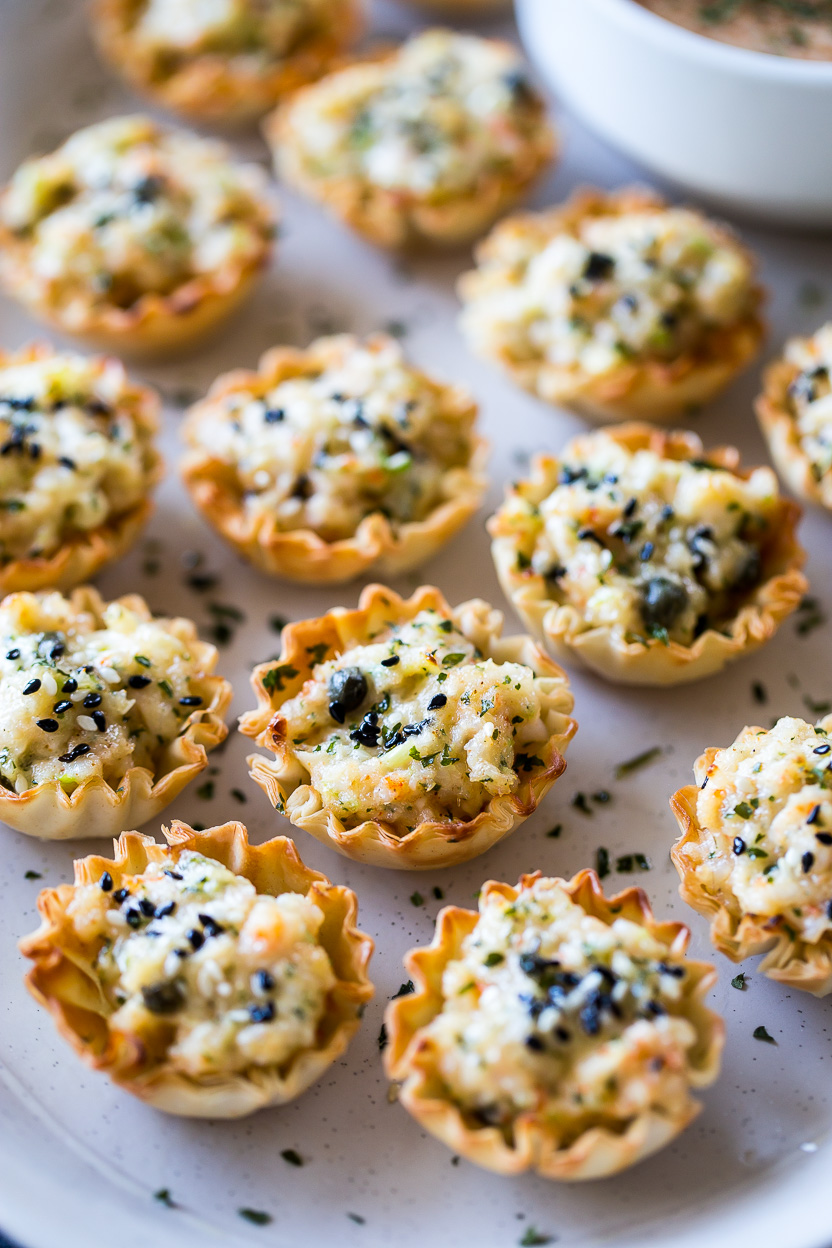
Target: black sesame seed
[[535, 1044], [630, 508], [598, 266], [829, 910], [138, 682], [32, 686], [391, 662], [196, 938], [813, 817], [48, 725], [63, 705], [66, 462], [92, 699], [261, 1013], [273, 415], [173, 875], [667, 512], [106, 882], [821, 749], [76, 752], [437, 701], [132, 918], [56, 650], [99, 720], [589, 535], [147, 908], [191, 700], [823, 838], [165, 910], [807, 861], [121, 895], [164, 998], [739, 845], [646, 552], [70, 685], [15, 654], [265, 981], [563, 1035], [337, 712], [212, 927]]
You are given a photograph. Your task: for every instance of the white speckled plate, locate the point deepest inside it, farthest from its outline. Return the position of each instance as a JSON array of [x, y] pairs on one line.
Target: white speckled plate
[[79, 1160]]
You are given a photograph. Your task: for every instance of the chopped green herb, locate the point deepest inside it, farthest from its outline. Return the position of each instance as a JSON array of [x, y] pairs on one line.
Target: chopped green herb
[[640, 760], [602, 862], [632, 862], [810, 616], [404, 990], [494, 958], [206, 790], [417, 899], [275, 679], [239, 796], [357, 1218], [382, 1038], [256, 1216], [451, 660], [164, 1197], [602, 797], [810, 295], [438, 893], [532, 1237], [579, 801], [140, 658], [760, 1033], [317, 653], [759, 693], [525, 762], [744, 810], [277, 623], [292, 1156], [739, 981], [33, 875], [555, 832]]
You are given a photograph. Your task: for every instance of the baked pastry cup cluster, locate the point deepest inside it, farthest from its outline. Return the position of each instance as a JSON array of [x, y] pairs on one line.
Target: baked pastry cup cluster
[[207, 976], [330, 461], [430, 143], [647, 559], [556, 1030], [105, 712], [78, 461], [615, 305], [134, 236], [795, 414], [755, 852], [407, 733], [226, 62]]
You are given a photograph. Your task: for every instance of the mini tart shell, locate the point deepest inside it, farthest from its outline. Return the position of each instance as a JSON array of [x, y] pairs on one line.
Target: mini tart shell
[[410, 1059], [396, 218], [652, 662], [739, 935], [650, 389], [431, 844], [301, 554], [155, 326], [209, 87], [94, 808], [84, 554], [781, 432], [63, 978]]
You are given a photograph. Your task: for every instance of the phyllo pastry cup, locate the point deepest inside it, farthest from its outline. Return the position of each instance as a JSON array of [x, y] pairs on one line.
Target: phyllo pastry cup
[[243, 1011], [427, 144], [224, 72], [755, 851], [407, 733], [65, 518], [558, 1030], [134, 237], [333, 460], [105, 712], [647, 559], [795, 415], [617, 305]]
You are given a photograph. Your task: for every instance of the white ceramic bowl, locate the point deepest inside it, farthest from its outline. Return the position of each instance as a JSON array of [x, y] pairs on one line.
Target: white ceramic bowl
[[746, 130]]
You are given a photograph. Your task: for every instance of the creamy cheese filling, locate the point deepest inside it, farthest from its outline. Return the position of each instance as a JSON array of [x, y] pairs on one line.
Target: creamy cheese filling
[[211, 976], [551, 1010], [638, 285], [257, 29], [766, 810], [321, 451], [651, 547], [81, 697], [71, 454], [445, 112], [810, 397], [415, 725], [126, 207]]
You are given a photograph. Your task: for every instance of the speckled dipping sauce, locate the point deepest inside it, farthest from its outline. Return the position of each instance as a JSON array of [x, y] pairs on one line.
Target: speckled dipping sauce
[[795, 28]]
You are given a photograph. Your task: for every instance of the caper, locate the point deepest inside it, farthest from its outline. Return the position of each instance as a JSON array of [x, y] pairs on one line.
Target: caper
[[663, 601], [166, 997], [347, 690]]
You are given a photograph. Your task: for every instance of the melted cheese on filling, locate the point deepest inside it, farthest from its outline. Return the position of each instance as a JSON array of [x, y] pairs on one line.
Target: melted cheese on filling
[[71, 456], [435, 735], [323, 451], [810, 397], [446, 111], [639, 285], [81, 698], [766, 809], [209, 974], [126, 207], [262, 30], [651, 547], [551, 1010]]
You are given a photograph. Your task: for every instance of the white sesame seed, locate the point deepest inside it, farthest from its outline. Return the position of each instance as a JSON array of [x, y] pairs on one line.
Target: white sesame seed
[[78, 695], [49, 683], [223, 989], [86, 723], [171, 965], [21, 784], [115, 918], [110, 675]]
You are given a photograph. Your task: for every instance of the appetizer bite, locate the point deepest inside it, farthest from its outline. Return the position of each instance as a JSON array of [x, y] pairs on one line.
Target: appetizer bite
[[207, 976], [330, 461], [557, 1030], [225, 61], [795, 414], [430, 143], [755, 854], [647, 559], [616, 305], [77, 464], [407, 733], [105, 712], [134, 236]]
